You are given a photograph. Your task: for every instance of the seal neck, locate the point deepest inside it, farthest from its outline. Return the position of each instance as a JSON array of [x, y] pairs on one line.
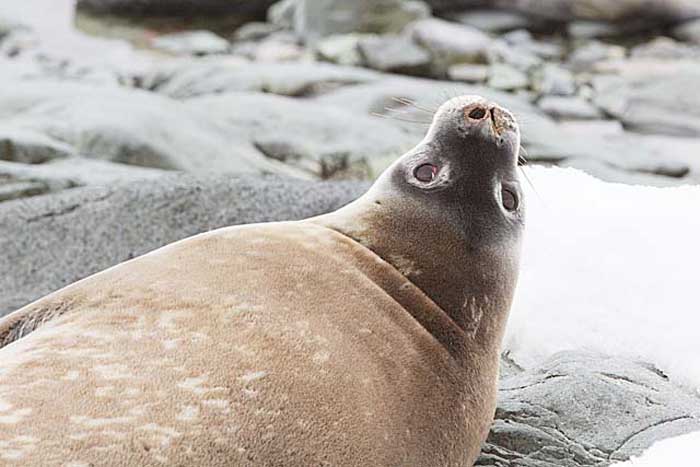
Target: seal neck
[[468, 287]]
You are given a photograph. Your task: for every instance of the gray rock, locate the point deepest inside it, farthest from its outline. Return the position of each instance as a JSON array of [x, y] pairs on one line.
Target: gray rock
[[217, 75], [127, 126], [450, 43], [21, 144], [282, 13], [255, 31], [593, 29], [507, 78], [612, 174], [493, 21], [665, 48], [48, 242], [468, 73], [395, 53], [581, 409], [314, 19], [552, 79], [331, 141], [278, 48], [583, 58], [658, 101], [519, 58], [568, 108], [191, 43], [72, 172], [342, 49], [11, 188], [688, 31]]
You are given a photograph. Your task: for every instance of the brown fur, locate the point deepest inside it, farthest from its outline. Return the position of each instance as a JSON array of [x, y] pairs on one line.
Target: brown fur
[[283, 344]]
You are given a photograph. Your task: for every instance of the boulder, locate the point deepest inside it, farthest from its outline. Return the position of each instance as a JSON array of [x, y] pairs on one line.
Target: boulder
[[468, 73], [213, 75], [450, 43], [584, 409], [552, 79], [322, 140], [314, 19], [654, 100], [342, 49], [48, 242], [507, 78], [124, 125], [191, 43], [395, 53], [569, 108], [73, 172]]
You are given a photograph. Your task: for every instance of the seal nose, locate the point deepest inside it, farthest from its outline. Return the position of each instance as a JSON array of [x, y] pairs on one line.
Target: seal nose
[[499, 119]]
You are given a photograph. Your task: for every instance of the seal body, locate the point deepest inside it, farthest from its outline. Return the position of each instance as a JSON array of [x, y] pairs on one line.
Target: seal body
[[368, 337]]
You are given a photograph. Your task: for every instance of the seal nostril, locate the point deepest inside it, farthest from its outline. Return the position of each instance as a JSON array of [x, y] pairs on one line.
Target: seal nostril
[[477, 114]]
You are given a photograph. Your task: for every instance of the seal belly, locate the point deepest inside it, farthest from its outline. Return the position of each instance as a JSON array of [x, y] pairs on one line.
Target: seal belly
[[277, 344]]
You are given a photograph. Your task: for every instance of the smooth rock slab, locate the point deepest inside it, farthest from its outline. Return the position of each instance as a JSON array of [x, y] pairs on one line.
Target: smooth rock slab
[[48, 242], [130, 126], [569, 107], [314, 19], [581, 409], [191, 42], [451, 43], [188, 78], [324, 140], [395, 53], [656, 101]]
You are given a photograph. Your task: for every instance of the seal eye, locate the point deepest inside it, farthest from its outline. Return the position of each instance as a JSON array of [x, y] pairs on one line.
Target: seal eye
[[425, 173], [509, 199]]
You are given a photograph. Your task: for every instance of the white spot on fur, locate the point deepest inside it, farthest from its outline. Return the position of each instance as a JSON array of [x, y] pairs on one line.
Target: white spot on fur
[[15, 417], [114, 371], [188, 413], [4, 406], [250, 377], [12, 454], [195, 385], [99, 422], [321, 357], [17, 447], [76, 464], [104, 391], [170, 344], [71, 376], [220, 404]]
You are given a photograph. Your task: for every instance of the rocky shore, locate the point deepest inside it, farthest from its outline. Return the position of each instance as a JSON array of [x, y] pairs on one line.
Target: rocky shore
[[140, 133]]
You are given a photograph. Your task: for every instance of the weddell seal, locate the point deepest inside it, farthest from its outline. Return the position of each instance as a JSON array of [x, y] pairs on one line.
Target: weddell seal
[[365, 337]]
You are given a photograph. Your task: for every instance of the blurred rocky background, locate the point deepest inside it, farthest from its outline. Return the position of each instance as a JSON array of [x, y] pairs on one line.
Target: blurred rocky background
[[128, 124]]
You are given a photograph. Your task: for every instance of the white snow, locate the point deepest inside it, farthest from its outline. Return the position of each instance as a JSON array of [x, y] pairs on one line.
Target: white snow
[[682, 450], [610, 268]]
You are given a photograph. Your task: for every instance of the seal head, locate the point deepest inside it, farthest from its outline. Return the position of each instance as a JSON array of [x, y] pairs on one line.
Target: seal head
[[449, 215]]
